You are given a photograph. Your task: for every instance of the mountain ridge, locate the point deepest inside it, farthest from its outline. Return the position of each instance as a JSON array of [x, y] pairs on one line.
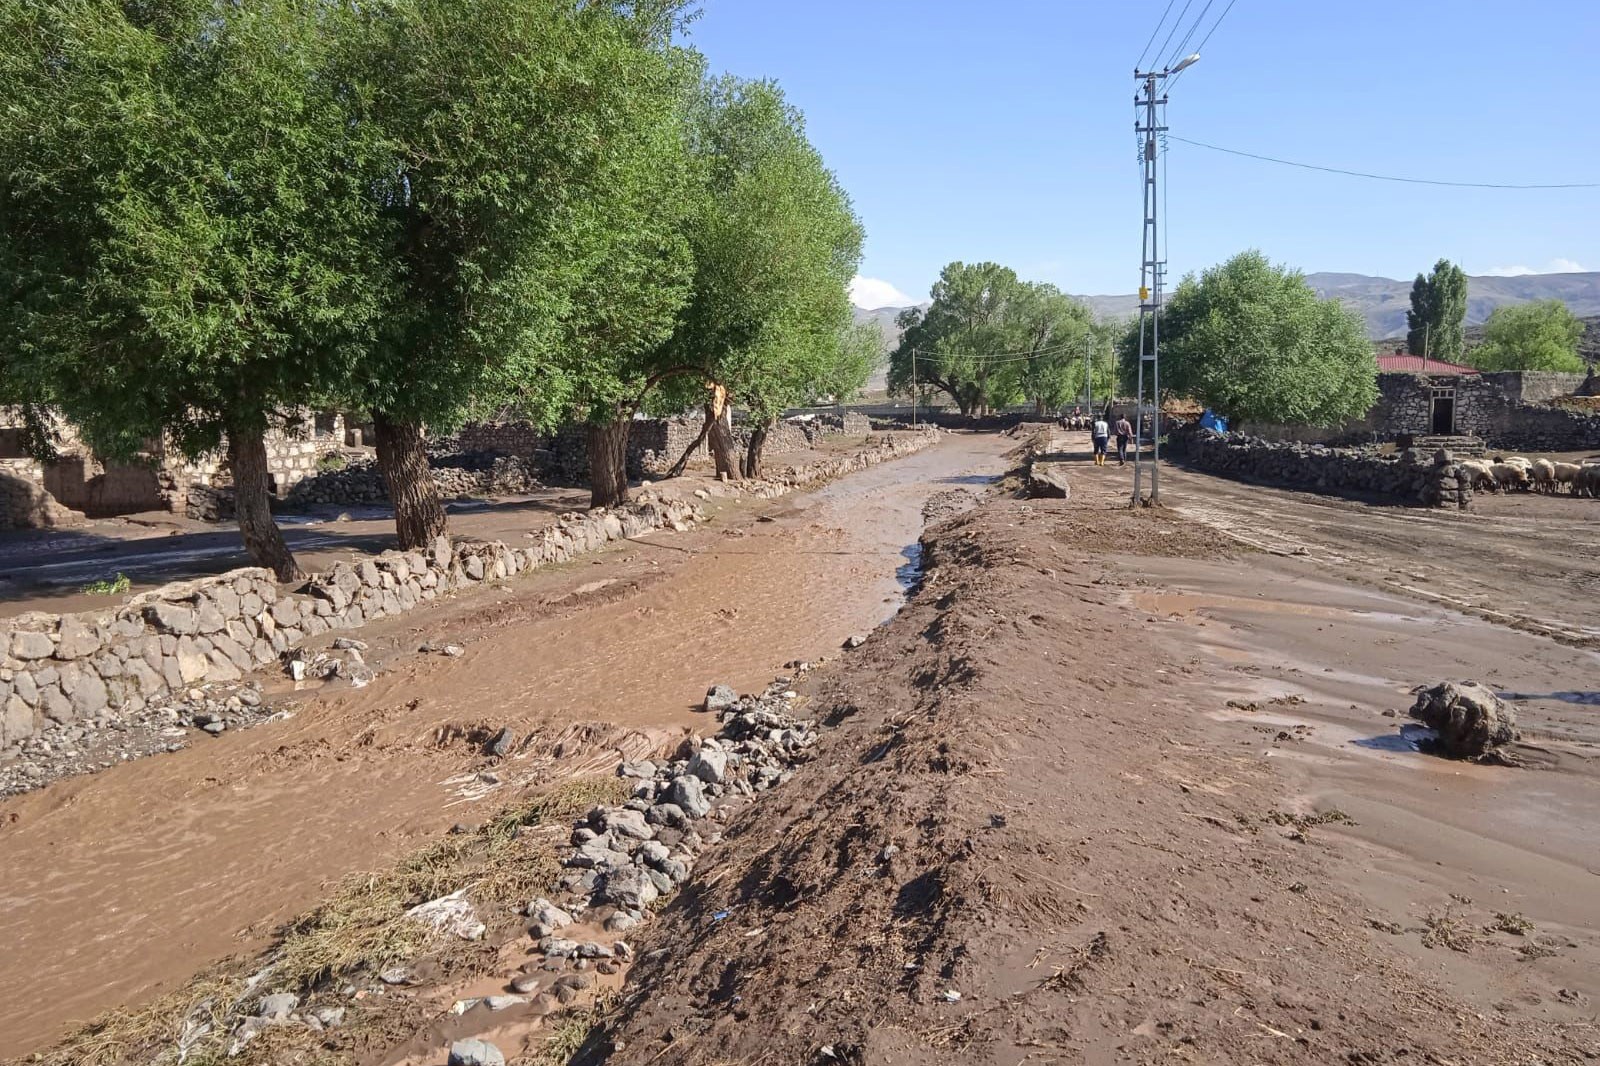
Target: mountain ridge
[[1381, 302]]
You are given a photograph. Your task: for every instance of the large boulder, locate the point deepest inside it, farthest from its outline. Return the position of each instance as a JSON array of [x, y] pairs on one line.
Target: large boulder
[[1470, 719], [1049, 480]]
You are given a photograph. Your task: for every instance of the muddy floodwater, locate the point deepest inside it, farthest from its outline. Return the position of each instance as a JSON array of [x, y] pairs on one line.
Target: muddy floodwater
[[118, 886]]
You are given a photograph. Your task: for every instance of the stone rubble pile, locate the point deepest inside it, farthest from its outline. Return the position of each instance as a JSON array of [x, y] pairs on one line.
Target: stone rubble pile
[[881, 449], [166, 723], [627, 857]]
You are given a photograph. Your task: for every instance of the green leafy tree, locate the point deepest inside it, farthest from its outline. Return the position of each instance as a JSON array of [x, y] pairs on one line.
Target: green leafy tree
[[1434, 325], [1542, 335], [775, 243], [955, 344], [1252, 341], [531, 190], [186, 233], [1051, 328]]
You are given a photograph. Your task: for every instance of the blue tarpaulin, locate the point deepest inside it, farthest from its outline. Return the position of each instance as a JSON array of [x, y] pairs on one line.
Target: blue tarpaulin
[[1211, 420]]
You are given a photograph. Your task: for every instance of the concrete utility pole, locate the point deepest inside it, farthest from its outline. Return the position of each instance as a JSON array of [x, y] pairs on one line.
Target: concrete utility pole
[[1149, 104]]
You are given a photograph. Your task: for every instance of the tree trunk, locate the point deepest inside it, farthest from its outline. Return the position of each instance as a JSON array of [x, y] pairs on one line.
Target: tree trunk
[[1038, 405], [752, 455], [683, 460], [247, 456], [403, 462], [723, 452], [608, 462]]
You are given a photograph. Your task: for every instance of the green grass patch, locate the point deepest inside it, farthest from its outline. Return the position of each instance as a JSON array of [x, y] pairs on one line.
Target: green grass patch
[[114, 587]]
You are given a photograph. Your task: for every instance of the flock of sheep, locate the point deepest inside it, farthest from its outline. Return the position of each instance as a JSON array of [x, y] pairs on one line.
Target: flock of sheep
[[1515, 473]]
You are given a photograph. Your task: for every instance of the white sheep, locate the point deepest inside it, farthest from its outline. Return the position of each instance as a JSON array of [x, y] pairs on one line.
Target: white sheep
[[1543, 473], [1510, 476], [1481, 472], [1566, 474]]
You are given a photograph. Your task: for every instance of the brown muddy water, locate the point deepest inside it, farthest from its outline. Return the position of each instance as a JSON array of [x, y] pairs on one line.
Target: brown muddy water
[[118, 886], [1300, 666]]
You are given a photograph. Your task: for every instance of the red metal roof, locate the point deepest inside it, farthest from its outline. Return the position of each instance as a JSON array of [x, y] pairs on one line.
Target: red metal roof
[[1415, 364]]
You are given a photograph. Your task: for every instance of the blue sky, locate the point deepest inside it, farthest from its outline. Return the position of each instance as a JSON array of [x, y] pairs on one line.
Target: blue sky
[[1003, 130]]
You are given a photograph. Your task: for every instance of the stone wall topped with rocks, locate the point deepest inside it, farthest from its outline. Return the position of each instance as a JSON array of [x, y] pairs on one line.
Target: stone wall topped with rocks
[[1410, 477], [57, 670]]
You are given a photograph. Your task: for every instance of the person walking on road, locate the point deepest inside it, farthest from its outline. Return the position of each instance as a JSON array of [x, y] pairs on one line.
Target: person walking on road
[[1124, 435], [1099, 433]]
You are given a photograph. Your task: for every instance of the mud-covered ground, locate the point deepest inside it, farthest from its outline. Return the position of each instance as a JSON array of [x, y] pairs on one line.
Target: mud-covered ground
[[1115, 786], [1118, 788]]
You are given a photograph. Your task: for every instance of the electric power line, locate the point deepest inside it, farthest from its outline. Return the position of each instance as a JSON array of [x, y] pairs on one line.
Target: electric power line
[[1201, 47], [1004, 357], [1160, 51], [1195, 25], [1140, 61], [1389, 177]]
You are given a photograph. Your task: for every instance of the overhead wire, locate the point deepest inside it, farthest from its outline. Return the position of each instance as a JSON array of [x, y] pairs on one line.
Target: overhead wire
[[1180, 50], [1140, 61], [1175, 25], [1006, 357], [1389, 177], [1201, 47]]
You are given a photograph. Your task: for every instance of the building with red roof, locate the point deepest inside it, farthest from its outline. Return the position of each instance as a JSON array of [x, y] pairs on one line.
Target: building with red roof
[[1400, 363]]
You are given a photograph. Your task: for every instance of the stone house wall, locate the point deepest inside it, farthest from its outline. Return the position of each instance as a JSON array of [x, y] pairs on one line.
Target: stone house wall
[[24, 503]]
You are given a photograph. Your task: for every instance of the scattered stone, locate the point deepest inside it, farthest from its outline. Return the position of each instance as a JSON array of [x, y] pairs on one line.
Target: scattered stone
[[689, 794], [475, 1053], [719, 698], [1468, 717], [395, 975], [547, 914], [501, 743], [331, 1017], [630, 888], [709, 765], [499, 1003], [526, 983], [855, 641], [556, 947], [277, 1006]]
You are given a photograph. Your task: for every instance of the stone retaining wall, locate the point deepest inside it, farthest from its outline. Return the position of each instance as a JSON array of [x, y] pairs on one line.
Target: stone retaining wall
[[105, 664], [24, 503], [1409, 477]]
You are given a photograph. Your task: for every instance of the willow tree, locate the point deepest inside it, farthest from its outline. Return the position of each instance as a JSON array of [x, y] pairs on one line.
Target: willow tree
[[965, 342], [775, 243], [186, 240], [525, 138]]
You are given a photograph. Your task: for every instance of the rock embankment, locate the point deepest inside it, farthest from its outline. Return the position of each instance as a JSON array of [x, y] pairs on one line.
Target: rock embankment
[[1435, 480]]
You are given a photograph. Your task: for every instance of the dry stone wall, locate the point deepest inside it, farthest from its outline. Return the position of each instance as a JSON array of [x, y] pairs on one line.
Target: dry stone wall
[[104, 665], [1433, 480], [24, 503]]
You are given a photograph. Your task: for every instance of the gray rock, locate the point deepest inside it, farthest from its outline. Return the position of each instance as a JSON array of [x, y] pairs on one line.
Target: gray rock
[[526, 983], [589, 949], [688, 793], [329, 1016], [630, 888], [720, 698], [54, 704], [855, 641], [170, 618], [558, 947], [503, 1002], [709, 765], [29, 645], [75, 640], [620, 922], [664, 884], [644, 769], [653, 852], [89, 696], [628, 823], [546, 913], [475, 1053], [501, 743], [277, 1006]]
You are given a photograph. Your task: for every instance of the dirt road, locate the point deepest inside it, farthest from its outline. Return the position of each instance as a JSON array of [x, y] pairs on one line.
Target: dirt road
[[1116, 788], [118, 885]]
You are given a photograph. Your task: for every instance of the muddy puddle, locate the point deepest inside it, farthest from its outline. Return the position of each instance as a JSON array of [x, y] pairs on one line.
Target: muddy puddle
[[1315, 675], [118, 886]]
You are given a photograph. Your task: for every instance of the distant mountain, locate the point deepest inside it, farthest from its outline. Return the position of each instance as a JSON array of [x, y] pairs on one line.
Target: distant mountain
[[1381, 302]]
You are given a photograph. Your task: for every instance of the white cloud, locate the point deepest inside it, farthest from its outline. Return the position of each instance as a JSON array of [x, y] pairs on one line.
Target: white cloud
[[869, 294], [1555, 266]]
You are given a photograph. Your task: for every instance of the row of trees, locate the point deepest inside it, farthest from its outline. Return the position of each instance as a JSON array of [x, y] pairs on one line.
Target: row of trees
[[212, 213], [1538, 335], [989, 339]]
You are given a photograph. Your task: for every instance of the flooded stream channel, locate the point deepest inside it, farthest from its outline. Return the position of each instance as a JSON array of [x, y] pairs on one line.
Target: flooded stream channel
[[118, 886]]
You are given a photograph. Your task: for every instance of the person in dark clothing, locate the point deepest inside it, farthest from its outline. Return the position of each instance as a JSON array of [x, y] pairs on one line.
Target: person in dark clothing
[[1124, 435]]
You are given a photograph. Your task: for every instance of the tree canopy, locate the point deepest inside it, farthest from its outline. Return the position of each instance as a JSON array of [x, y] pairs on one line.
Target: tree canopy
[[1434, 325], [989, 339], [1252, 341], [1542, 335]]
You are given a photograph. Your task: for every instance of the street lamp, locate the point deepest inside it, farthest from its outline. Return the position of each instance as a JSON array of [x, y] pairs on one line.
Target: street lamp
[[1187, 62]]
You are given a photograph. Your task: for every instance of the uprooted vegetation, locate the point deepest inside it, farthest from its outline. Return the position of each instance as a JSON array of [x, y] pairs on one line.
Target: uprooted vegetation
[[350, 939]]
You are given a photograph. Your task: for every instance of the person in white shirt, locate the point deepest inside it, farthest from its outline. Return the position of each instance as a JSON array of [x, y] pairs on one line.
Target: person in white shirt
[[1100, 434]]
